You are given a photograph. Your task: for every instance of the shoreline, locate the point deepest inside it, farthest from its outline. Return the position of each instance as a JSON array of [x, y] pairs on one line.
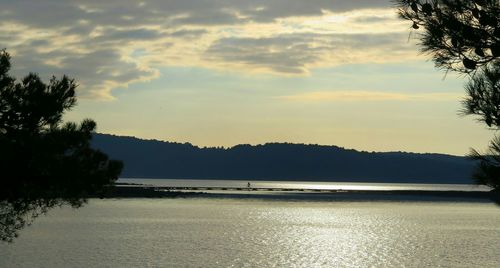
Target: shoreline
[[144, 191]]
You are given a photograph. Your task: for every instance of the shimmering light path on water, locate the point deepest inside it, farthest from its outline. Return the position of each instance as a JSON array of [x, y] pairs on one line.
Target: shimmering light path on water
[[255, 233], [305, 185]]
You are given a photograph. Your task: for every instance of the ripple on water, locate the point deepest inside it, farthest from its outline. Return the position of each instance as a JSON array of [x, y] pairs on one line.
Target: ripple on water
[[256, 233]]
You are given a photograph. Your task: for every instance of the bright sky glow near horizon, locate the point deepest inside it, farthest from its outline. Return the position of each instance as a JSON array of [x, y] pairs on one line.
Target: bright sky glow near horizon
[[221, 73]]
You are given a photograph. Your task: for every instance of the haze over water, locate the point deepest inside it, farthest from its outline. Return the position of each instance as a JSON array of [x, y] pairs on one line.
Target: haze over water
[[199, 232]]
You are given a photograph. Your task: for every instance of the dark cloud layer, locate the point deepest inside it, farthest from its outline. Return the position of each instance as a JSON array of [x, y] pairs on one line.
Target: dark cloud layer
[[50, 13], [90, 39], [291, 53]]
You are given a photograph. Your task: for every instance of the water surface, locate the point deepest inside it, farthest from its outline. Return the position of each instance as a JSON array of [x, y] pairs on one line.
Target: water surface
[[305, 185], [198, 232]]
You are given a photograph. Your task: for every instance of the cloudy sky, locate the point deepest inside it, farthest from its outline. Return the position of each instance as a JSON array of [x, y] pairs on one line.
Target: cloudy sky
[[220, 73]]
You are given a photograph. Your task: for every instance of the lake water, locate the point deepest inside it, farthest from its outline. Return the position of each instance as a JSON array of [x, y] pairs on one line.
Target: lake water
[[305, 185], [200, 232]]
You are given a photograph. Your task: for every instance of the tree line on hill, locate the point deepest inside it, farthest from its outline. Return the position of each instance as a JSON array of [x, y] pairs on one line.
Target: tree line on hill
[[279, 161]]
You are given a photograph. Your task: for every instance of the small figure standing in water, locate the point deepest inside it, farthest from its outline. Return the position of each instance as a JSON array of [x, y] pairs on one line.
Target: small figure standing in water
[[248, 185]]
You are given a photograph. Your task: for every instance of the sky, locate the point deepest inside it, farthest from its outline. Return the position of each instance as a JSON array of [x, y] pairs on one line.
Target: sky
[[221, 73]]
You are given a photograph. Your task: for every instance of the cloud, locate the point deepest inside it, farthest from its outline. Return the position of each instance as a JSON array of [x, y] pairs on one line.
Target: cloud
[[335, 96], [122, 12], [98, 42], [97, 71], [372, 19], [128, 35], [189, 33], [285, 54], [296, 53]]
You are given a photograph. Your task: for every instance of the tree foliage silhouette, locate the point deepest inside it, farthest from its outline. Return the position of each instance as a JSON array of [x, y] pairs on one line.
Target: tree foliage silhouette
[[483, 95], [43, 161], [464, 36], [460, 35]]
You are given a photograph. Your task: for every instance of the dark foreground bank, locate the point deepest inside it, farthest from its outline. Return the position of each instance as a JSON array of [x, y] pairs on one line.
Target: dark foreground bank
[[142, 191]]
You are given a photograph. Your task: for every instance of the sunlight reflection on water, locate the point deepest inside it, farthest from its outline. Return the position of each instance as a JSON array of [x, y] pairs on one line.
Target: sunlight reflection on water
[[251, 233], [305, 185]]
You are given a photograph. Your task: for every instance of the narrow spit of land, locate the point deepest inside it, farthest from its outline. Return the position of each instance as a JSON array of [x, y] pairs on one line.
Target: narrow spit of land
[[124, 190]]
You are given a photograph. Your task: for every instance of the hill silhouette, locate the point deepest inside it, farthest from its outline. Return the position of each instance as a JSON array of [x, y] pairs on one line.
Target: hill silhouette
[[279, 161]]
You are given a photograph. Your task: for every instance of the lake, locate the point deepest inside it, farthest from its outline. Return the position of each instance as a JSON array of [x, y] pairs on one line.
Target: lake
[[211, 232]]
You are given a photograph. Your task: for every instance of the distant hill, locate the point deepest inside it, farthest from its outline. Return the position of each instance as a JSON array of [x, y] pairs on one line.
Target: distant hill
[[279, 161]]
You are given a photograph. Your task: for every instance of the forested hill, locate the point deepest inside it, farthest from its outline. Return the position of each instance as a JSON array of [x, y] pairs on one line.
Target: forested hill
[[279, 161]]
